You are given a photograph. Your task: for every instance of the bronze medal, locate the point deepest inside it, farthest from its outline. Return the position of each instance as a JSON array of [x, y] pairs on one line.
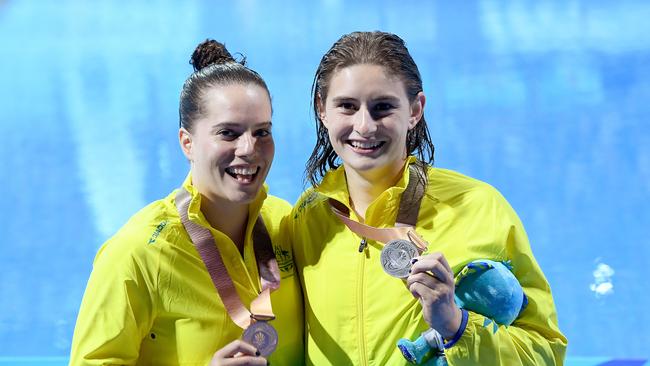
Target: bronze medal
[[263, 336]]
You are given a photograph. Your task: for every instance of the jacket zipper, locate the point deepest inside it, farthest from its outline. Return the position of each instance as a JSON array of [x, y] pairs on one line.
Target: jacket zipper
[[360, 306]]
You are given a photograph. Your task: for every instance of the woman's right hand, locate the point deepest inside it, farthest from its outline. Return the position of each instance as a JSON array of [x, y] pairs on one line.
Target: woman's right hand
[[238, 353]]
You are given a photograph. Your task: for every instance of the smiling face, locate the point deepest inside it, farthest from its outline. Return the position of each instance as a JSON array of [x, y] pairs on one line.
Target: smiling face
[[368, 115], [230, 146]]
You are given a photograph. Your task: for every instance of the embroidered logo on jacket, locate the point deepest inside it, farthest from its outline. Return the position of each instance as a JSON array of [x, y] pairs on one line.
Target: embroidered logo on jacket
[[311, 197], [155, 234], [285, 261]]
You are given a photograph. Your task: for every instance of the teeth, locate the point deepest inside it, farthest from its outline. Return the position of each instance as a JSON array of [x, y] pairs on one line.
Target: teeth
[[242, 171], [365, 145]]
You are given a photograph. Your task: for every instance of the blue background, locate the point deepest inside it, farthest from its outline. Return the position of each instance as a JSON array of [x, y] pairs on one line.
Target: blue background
[[547, 101]]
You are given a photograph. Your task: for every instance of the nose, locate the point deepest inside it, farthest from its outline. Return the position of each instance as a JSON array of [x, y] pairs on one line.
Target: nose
[[245, 145], [364, 124]]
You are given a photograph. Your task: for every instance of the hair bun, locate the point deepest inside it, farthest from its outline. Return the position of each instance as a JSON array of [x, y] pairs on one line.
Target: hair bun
[[210, 52]]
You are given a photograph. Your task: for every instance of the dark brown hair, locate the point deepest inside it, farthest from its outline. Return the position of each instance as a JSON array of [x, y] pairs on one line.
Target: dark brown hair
[[375, 48], [213, 66]]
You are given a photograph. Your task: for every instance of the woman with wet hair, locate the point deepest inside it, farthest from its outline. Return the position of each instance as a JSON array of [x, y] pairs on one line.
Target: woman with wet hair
[[201, 276], [381, 235]]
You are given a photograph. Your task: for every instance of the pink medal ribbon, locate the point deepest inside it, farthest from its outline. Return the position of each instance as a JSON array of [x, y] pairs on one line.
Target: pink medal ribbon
[[255, 322]]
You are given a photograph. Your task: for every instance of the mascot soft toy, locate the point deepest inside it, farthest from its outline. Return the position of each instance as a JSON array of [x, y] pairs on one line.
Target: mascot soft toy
[[483, 286]]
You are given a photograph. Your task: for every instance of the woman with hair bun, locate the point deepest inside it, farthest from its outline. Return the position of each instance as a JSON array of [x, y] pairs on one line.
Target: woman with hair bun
[[202, 276]]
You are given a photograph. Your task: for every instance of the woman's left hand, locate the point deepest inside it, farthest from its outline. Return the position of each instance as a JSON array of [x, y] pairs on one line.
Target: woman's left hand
[[432, 282]]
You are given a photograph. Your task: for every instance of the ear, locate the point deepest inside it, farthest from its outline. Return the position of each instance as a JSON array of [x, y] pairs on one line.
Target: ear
[[320, 104], [417, 110], [185, 140]]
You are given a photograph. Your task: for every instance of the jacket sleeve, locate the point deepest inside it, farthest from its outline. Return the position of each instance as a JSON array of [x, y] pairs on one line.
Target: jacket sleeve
[[534, 338], [116, 311]]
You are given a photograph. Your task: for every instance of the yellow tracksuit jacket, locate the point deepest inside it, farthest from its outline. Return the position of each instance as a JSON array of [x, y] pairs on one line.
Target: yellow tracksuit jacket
[[151, 301], [355, 313]]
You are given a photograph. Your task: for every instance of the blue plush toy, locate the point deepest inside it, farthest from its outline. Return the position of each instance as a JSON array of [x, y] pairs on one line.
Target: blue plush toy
[[483, 286], [489, 288]]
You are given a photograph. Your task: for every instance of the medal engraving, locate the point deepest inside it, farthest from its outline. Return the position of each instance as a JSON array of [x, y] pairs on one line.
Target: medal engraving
[[263, 336], [396, 257]]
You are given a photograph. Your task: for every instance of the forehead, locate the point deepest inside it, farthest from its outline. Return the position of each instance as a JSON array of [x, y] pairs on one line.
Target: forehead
[[365, 80], [236, 103]]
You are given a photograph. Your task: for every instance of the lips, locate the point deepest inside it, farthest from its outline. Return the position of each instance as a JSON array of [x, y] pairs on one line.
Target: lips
[[365, 146], [243, 174]]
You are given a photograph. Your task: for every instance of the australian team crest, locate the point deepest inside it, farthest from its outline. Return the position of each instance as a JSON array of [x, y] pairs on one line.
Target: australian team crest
[[285, 261]]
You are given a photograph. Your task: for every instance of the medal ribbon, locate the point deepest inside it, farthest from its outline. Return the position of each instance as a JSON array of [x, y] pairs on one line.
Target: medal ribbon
[[267, 265], [407, 216]]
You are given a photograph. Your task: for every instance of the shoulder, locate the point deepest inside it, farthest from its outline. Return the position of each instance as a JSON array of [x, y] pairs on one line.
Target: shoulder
[[449, 185], [308, 200], [470, 196], [276, 205], [274, 209], [141, 238]]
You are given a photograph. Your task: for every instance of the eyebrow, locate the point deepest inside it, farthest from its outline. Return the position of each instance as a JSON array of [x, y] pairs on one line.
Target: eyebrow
[[342, 99], [238, 125], [390, 98]]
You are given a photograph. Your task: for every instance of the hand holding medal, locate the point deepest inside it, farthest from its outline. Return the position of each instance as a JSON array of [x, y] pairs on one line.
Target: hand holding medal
[[432, 282], [238, 353]]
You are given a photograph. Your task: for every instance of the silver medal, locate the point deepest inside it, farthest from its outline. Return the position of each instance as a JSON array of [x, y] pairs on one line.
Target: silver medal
[[263, 336], [396, 257]]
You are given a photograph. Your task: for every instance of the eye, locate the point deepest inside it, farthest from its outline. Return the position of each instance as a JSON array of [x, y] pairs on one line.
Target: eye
[[228, 134], [383, 107], [263, 132], [347, 106]]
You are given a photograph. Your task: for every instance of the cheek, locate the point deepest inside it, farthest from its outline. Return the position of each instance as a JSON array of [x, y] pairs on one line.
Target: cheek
[[338, 127], [333, 136], [220, 152], [264, 149], [268, 150], [400, 127]]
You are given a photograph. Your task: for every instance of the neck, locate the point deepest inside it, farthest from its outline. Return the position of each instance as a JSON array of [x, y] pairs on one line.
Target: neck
[[228, 217], [365, 187]]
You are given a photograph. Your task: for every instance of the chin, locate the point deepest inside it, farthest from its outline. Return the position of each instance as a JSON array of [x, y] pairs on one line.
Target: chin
[[244, 196], [365, 164]]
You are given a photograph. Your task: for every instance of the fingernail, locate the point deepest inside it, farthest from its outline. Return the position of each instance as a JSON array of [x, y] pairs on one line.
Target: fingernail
[[257, 353], [414, 260]]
